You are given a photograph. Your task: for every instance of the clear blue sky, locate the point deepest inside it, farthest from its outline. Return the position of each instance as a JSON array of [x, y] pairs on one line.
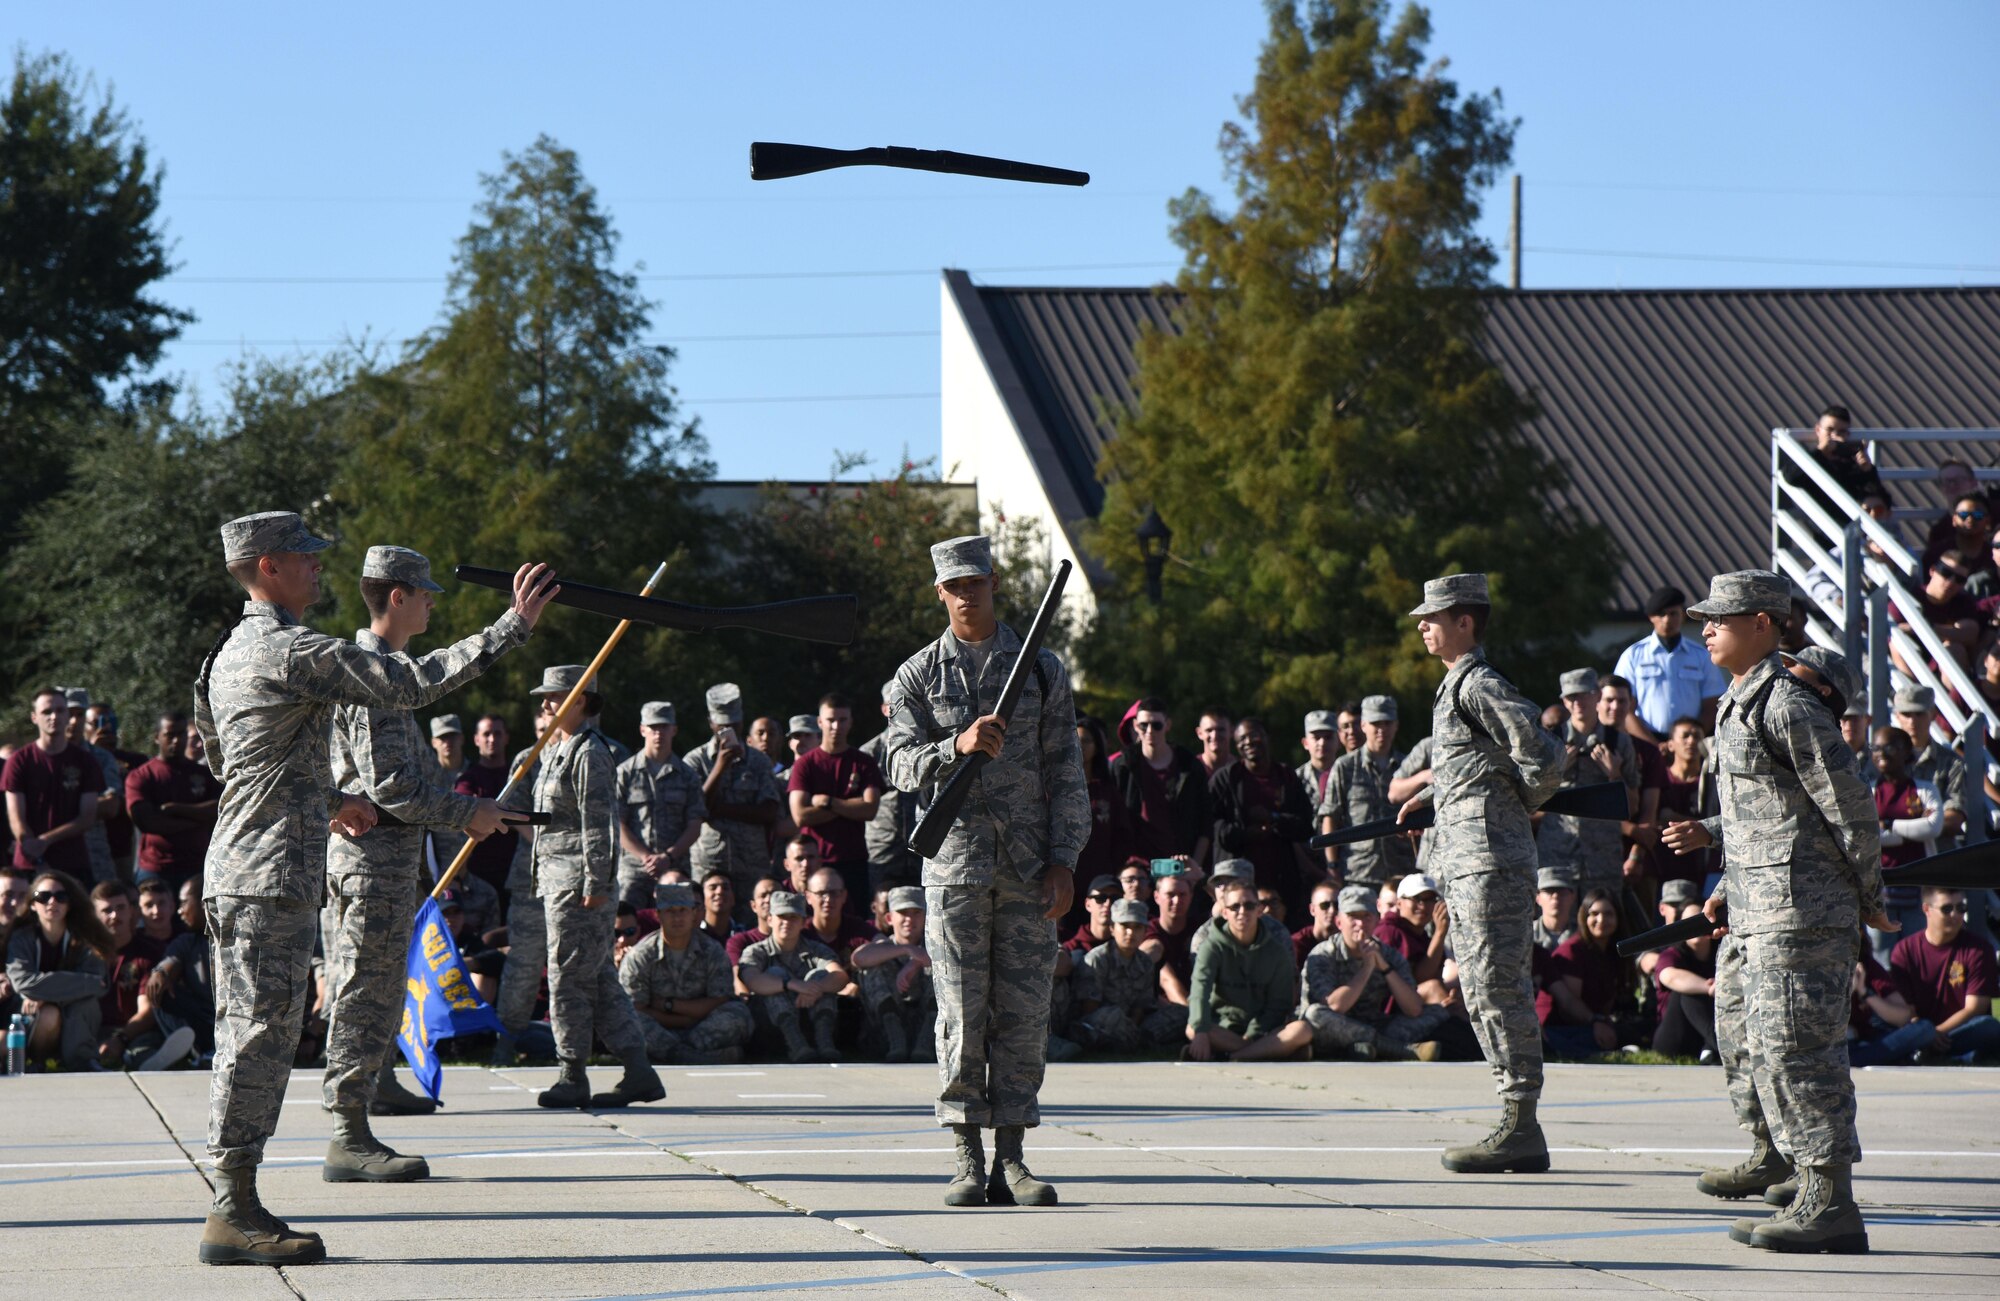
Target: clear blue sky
[[1705, 144]]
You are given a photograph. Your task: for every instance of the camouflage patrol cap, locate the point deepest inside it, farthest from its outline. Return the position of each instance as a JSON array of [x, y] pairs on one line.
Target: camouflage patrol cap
[[446, 725], [1357, 899], [802, 725], [673, 894], [76, 697], [559, 680], [1832, 666], [1579, 682], [1320, 720], [1679, 893], [1915, 700], [905, 898], [1129, 912], [964, 557], [1440, 594], [1745, 591], [725, 703], [1378, 709], [266, 534], [399, 565], [785, 903], [656, 713], [1556, 878], [1233, 869]]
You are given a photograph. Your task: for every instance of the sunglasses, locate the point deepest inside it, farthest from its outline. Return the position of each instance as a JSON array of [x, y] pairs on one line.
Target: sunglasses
[[626, 932], [1953, 909], [1968, 514], [1249, 907], [1148, 726], [51, 896], [1325, 905], [1952, 575]]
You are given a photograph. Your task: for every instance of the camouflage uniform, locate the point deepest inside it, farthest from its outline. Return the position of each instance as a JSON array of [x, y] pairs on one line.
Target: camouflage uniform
[[1802, 864], [372, 885], [1328, 968], [1417, 761], [1732, 1036], [264, 709], [1482, 850], [915, 1008], [742, 849], [782, 1009], [1358, 792], [993, 952], [1596, 846], [654, 973], [527, 920], [656, 801], [1127, 993], [575, 857], [890, 859]]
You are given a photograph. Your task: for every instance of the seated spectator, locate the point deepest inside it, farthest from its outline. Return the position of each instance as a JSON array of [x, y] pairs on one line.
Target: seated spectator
[[1359, 998], [624, 931], [680, 986], [1232, 869], [1242, 993], [1385, 899], [1165, 787], [1915, 709], [1911, 813], [1967, 530], [1135, 879], [832, 925], [13, 906], [1945, 607], [1324, 924], [157, 915], [1844, 461], [1262, 814], [1117, 990], [132, 1038], [57, 957], [1684, 984], [1274, 907], [878, 909], [801, 861], [718, 903], [1555, 892], [1170, 936], [1675, 896], [1948, 977], [1876, 1011], [1987, 679], [760, 916], [172, 801], [1587, 988], [790, 977], [898, 1000], [481, 960], [1418, 932], [1096, 928], [1670, 672], [182, 985]]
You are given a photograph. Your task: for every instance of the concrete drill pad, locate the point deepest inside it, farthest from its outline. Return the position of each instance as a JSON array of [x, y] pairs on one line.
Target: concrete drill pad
[[1176, 1180]]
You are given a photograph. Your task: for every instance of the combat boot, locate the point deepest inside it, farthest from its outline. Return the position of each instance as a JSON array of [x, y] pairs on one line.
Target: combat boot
[[1011, 1184], [356, 1156], [796, 1047], [241, 1232], [895, 1038], [1824, 1217], [1515, 1144], [503, 1051], [640, 1083], [392, 1099], [1781, 1194], [1751, 1177], [823, 1038], [571, 1089], [968, 1186]]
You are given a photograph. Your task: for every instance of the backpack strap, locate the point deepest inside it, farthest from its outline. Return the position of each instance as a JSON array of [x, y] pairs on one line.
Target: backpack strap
[[1458, 703]]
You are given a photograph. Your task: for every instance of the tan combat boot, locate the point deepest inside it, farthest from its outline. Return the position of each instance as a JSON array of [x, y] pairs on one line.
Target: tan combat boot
[[968, 1186], [1011, 1184], [1765, 1167], [1515, 1144], [1781, 1194], [392, 1099], [241, 1232], [1823, 1218], [356, 1156]]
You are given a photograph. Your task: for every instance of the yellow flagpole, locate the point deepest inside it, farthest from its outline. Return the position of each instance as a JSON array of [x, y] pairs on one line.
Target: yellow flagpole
[[527, 763]]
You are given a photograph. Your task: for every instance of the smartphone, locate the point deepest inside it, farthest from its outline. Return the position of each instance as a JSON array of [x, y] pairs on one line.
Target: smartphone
[[726, 737]]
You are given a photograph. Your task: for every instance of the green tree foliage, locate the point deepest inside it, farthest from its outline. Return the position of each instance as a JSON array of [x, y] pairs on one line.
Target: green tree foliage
[[127, 600], [533, 423], [1323, 433]]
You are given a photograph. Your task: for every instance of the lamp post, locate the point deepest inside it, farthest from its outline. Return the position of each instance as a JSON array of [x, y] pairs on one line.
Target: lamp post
[[1154, 536]]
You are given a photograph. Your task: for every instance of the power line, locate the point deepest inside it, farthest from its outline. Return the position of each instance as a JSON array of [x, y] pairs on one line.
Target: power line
[[418, 200], [672, 343], [1761, 260], [1767, 190], [811, 397], [683, 276]]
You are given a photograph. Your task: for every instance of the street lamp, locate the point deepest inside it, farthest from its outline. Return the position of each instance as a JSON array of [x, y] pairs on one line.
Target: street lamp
[[1154, 536]]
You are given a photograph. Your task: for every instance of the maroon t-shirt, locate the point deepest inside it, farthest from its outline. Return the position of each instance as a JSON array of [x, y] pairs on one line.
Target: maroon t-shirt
[[1404, 936], [1303, 942], [1895, 800], [492, 858], [1679, 955], [741, 941], [1936, 981], [853, 933], [1178, 949], [1680, 802], [1875, 981], [172, 781], [1083, 941], [843, 842], [126, 977], [53, 787], [1154, 836], [1597, 968]]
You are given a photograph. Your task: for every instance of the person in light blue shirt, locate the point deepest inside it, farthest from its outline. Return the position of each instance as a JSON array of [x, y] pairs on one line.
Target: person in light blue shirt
[[1671, 675]]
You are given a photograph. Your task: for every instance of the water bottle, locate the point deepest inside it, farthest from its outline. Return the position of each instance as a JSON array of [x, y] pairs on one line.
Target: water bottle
[[17, 1045]]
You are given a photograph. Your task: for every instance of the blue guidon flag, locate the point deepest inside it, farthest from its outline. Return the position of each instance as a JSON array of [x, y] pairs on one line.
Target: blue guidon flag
[[438, 999]]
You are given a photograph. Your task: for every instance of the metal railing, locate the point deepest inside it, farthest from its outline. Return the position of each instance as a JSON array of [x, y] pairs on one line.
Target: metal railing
[[1821, 543]]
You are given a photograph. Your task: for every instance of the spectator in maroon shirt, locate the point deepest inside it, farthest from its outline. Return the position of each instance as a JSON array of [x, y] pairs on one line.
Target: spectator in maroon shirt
[[718, 903], [1417, 931], [172, 801], [1877, 1011], [1944, 605], [1095, 928], [158, 915], [760, 912], [832, 924], [1588, 986], [1615, 703], [130, 1032], [1948, 976], [484, 778], [835, 789], [52, 789], [1687, 794], [1165, 787], [1170, 936], [1262, 814], [1324, 923], [1684, 987], [801, 861], [1217, 741]]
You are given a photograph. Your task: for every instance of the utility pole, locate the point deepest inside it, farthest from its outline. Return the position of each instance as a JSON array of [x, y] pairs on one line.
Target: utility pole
[[1514, 239]]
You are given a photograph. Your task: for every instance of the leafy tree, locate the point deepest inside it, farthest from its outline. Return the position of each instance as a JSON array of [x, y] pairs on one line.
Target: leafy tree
[[531, 423], [120, 580], [1322, 433]]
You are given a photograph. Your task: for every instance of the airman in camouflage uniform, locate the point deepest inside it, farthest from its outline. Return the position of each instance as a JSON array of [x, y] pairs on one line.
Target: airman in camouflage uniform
[[1595, 846], [372, 883], [263, 708], [900, 1010], [660, 808], [1004, 872], [1417, 764], [675, 965], [788, 966], [747, 781], [1357, 791], [527, 924], [1376, 1021], [1123, 981], [1802, 870], [574, 864], [1492, 765]]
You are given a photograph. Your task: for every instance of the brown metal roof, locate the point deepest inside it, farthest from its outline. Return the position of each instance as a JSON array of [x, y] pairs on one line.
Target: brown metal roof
[[1660, 402]]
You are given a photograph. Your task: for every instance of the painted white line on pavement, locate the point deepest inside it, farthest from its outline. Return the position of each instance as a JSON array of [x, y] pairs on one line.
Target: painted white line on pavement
[[781, 1095]]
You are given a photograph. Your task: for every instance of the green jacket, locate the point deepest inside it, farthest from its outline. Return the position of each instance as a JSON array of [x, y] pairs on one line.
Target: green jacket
[[1246, 987]]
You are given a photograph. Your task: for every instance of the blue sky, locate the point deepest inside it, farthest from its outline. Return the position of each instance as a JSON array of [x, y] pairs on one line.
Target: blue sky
[[1775, 144]]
